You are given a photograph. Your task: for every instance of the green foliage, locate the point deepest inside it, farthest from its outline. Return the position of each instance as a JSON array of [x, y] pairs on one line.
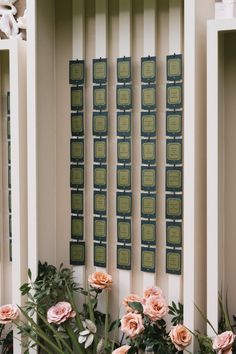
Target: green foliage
[[177, 311]]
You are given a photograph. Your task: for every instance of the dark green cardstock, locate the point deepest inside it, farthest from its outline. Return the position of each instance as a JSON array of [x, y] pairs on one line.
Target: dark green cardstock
[[77, 202], [124, 97], [100, 123], [9, 201], [148, 151], [8, 127], [173, 261], [148, 69], [100, 150], [124, 150], [174, 151], [174, 206], [124, 124], [100, 71], [8, 103], [148, 124], [77, 98], [76, 72], [9, 152], [124, 177], [148, 205], [174, 123], [100, 255], [174, 234], [148, 232], [100, 229], [174, 96], [124, 204], [10, 226], [77, 176], [124, 230], [10, 250], [77, 150], [148, 178], [100, 176], [100, 202], [174, 179], [124, 69], [100, 97], [174, 67], [77, 253], [9, 176], [148, 97], [77, 227], [77, 124], [124, 257], [148, 259]]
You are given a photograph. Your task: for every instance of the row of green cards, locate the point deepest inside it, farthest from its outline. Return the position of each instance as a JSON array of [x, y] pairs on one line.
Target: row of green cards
[[77, 71]]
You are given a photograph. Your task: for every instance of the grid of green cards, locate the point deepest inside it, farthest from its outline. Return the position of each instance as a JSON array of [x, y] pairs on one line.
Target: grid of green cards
[[123, 170], [9, 174], [76, 80], [174, 164], [148, 168], [100, 132]]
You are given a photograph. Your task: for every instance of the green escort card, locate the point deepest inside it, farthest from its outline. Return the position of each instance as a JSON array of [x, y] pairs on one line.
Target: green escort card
[[77, 253], [148, 178], [77, 98], [100, 71], [148, 232], [77, 202], [148, 69], [148, 259], [9, 152], [10, 226], [8, 103], [100, 176], [77, 150], [148, 97], [100, 123], [174, 151], [77, 124], [9, 201], [124, 150], [123, 177], [148, 124], [148, 206], [174, 179], [124, 257], [100, 255], [9, 176], [77, 176], [173, 261], [173, 206], [124, 204], [124, 123], [148, 151], [100, 229], [174, 95], [174, 67], [8, 127], [124, 69], [76, 72], [100, 202], [124, 97], [174, 234], [100, 150], [99, 97], [124, 230], [173, 123], [77, 227], [10, 250]]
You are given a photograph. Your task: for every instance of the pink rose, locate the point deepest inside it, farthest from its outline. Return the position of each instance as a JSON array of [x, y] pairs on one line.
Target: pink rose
[[100, 280], [131, 298], [180, 337], [155, 308], [122, 350], [153, 290], [132, 324], [8, 313], [223, 342], [61, 312]]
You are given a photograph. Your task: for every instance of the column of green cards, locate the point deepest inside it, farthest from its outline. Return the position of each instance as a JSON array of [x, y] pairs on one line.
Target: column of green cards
[[9, 174]]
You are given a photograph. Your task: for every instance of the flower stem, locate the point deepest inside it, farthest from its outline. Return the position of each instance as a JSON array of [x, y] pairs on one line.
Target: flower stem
[[106, 318]]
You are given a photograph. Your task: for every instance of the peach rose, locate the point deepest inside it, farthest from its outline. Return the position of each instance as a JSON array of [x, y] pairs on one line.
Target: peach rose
[[153, 290], [8, 313], [180, 337], [61, 312], [155, 308], [223, 343], [122, 350], [131, 298], [132, 324], [100, 280]]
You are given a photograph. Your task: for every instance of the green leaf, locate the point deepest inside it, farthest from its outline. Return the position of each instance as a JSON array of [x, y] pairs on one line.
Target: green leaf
[[115, 324], [137, 306]]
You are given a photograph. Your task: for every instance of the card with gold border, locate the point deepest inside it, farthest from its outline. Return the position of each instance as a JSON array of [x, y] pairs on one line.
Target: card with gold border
[[100, 176], [174, 179], [77, 227], [174, 123], [148, 124], [124, 230], [173, 262], [148, 178], [100, 255], [77, 253], [124, 204], [174, 96], [100, 229], [10, 226], [148, 69], [124, 97], [174, 206], [100, 97], [148, 259], [174, 234], [77, 150], [124, 69], [8, 127], [124, 177], [124, 124], [8, 103], [100, 123], [77, 176], [100, 71], [174, 67], [174, 151], [77, 202], [9, 201], [9, 176], [124, 257], [76, 72], [148, 205], [100, 202], [9, 151], [10, 250], [148, 232], [77, 98], [100, 150], [148, 97], [124, 150], [148, 151], [77, 124]]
